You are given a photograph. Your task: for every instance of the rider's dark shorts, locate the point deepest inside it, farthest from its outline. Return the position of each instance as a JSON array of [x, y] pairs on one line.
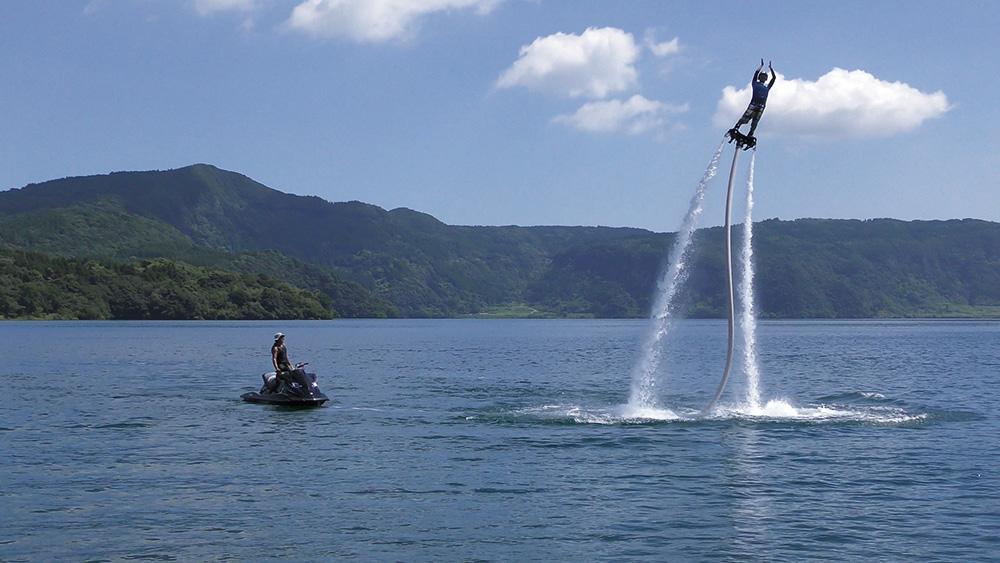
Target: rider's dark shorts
[[752, 112]]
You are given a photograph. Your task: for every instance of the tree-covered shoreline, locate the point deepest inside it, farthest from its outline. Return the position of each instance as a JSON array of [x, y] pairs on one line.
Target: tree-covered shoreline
[[35, 286]]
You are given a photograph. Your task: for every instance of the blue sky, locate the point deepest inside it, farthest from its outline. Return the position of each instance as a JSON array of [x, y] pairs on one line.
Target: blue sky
[[511, 111]]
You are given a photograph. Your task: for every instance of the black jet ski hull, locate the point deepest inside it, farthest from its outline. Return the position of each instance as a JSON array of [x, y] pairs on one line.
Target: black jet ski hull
[[282, 399], [293, 389]]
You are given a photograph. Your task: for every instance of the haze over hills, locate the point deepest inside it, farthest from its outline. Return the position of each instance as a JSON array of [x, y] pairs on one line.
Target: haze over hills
[[373, 262]]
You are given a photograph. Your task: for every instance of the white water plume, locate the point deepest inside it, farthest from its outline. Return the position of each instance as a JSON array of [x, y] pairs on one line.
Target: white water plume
[[748, 314], [644, 378]]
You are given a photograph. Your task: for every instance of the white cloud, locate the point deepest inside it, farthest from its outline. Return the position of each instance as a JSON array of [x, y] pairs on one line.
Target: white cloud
[[840, 104], [633, 116], [206, 7], [664, 48], [372, 21], [596, 63]]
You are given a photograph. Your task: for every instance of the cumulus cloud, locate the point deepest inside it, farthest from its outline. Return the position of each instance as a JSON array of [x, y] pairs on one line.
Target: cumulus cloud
[[206, 7], [596, 63], [840, 104], [633, 116], [372, 21], [661, 49]]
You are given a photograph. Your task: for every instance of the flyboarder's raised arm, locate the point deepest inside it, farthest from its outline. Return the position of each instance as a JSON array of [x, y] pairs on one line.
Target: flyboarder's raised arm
[[756, 72], [774, 76]]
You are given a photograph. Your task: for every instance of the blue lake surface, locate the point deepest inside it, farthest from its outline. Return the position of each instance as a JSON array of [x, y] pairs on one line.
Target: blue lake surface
[[498, 440]]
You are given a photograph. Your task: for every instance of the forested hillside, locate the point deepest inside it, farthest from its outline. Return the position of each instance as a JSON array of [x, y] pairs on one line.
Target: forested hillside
[[809, 268], [372, 262], [44, 287]]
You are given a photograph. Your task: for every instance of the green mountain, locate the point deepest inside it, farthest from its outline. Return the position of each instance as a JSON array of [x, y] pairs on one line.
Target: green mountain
[[410, 259], [373, 262], [91, 219]]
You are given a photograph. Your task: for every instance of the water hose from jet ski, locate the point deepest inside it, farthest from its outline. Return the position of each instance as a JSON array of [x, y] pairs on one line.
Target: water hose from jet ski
[[729, 271]]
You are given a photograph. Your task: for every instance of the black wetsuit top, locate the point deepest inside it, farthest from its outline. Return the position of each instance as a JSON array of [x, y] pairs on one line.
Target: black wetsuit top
[[282, 357]]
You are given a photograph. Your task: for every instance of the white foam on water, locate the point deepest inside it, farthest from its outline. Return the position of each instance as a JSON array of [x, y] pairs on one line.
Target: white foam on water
[[644, 378], [638, 413], [614, 414], [781, 410], [775, 410]]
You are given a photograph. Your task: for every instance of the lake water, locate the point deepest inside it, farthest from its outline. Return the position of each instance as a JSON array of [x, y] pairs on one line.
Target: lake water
[[498, 440]]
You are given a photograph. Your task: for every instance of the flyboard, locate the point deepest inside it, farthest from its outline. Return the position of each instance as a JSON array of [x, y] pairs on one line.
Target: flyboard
[[743, 142]]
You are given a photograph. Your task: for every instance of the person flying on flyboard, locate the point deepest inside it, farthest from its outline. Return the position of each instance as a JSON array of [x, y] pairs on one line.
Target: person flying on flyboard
[[761, 88]]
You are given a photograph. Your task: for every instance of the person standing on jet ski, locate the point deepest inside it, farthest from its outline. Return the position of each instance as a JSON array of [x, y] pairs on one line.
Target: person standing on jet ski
[[761, 88], [279, 355]]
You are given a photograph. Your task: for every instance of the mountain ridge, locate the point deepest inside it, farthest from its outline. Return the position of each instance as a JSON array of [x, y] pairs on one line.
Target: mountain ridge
[[426, 268]]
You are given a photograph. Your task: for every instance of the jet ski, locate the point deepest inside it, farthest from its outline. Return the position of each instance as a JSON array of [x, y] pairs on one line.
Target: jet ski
[[294, 388]]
